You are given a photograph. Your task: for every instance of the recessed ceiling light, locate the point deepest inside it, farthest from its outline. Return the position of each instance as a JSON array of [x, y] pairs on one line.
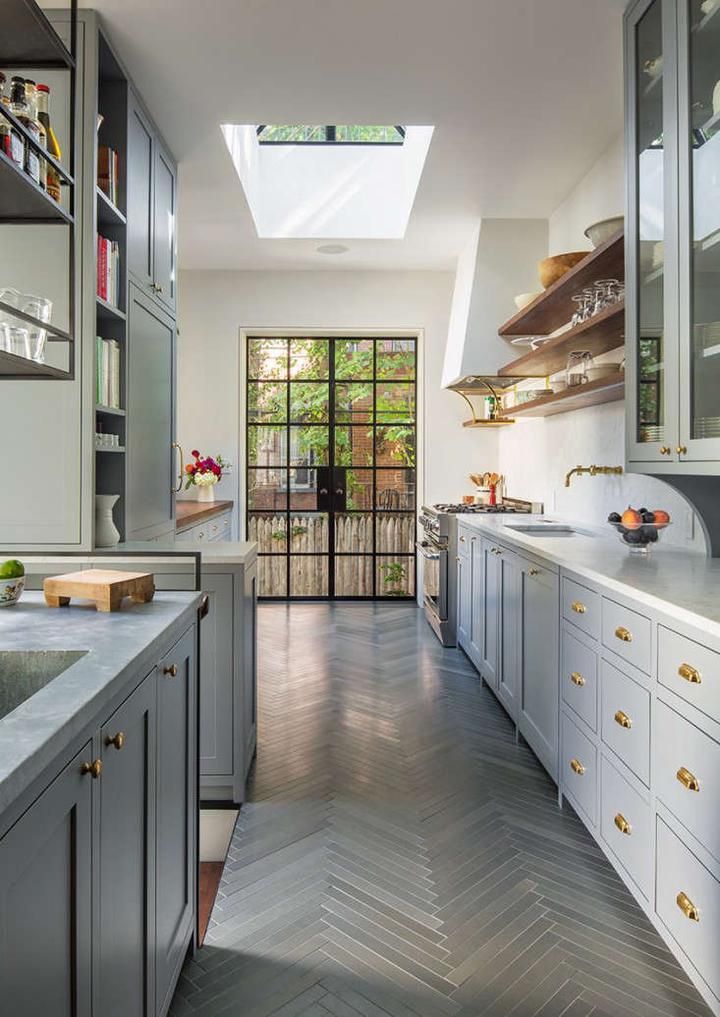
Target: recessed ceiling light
[[332, 249]]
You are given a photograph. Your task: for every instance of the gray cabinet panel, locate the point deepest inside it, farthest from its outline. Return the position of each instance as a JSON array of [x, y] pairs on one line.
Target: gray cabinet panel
[[249, 705], [176, 813], [464, 601], [124, 931], [217, 678], [164, 220], [45, 902], [486, 608], [150, 420], [140, 157], [539, 705], [508, 597]]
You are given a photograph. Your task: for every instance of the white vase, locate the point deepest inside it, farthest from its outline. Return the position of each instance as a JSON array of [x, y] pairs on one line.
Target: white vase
[[106, 532], [205, 492]]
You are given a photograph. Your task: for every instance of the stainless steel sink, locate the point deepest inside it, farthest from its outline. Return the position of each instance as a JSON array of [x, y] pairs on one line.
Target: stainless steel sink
[[25, 672], [549, 529]]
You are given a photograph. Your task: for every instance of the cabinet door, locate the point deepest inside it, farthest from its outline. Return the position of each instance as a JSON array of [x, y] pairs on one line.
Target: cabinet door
[[652, 233], [508, 597], [539, 664], [217, 668], [464, 598], [164, 228], [249, 705], [140, 166], [176, 813], [125, 915], [486, 602], [150, 420], [45, 902], [699, 189]]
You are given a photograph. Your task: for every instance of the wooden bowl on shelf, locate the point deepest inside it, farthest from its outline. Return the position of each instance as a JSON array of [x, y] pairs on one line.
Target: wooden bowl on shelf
[[552, 269]]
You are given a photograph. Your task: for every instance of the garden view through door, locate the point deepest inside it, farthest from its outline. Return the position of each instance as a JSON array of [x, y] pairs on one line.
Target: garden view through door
[[331, 444]]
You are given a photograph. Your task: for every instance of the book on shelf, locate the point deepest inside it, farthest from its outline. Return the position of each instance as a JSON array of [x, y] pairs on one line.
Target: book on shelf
[[107, 373], [108, 172], [108, 270]]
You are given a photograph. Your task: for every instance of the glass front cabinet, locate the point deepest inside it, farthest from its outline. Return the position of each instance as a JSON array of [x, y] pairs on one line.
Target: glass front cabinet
[[672, 53]]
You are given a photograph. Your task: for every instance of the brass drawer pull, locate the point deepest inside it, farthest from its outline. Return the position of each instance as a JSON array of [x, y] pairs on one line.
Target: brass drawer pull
[[578, 608], [462, 540], [534, 572], [681, 450], [117, 740], [623, 634], [94, 768], [687, 907], [171, 671], [622, 719], [577, 679], [622, 824], [665, 450], [577, 767], [687, 779], [690, 674]]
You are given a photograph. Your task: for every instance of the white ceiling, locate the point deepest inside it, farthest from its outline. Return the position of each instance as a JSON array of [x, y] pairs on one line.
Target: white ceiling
[[524, 95]]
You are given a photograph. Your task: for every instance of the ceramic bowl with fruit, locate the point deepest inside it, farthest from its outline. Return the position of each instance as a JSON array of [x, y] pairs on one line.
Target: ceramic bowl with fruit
[[12, 582], [639, 529]]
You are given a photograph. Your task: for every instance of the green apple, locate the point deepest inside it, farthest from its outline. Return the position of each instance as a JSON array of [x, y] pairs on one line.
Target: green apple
[[12, 569]]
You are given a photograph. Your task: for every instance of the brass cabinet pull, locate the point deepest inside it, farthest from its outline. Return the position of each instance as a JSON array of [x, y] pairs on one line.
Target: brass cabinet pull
[[462, 539], [622, 719], [687, 779], [622, 824], [681, 450], [534, 572], [94, 768], [458, 558], [117, 740], [577, 767], [623, 634], [687, 907], [577, 679], [578, 608], [665, 450], [690, 674], [171, 670], [181, 474]]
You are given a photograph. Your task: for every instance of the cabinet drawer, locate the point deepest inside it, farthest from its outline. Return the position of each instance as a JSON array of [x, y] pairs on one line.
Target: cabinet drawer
[[578, 680], [626, 826], [683, 883], [581, 607], [628, 634], [578, 768], [690, 670], [686, 759], [625, 719]]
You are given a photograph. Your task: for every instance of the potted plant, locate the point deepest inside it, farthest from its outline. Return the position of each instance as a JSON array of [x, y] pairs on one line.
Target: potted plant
[[203, 475], [394, 576]]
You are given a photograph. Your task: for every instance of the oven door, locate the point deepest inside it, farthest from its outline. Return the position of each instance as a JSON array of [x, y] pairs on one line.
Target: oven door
[[435, 579]]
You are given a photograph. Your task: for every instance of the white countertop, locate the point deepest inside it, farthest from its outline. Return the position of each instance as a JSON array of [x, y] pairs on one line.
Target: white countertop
[[679, 582], [227, 552]]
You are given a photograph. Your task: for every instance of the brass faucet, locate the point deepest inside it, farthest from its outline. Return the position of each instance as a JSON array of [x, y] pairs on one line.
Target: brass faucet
[[594, 471]]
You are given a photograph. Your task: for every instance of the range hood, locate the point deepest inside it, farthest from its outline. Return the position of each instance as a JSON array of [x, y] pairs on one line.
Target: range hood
[[499, 260]]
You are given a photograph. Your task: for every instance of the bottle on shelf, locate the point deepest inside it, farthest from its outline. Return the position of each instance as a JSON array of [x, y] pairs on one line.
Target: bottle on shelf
[[43, 106], [16, 102], [37, 130]]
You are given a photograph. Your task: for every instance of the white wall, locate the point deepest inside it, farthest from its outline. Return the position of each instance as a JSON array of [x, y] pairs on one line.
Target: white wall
[[215, 305], [599, 195]]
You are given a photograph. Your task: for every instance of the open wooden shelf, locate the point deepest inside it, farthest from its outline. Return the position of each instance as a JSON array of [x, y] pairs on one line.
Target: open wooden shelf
[[109, 411], [604, 332], [107, 213], [499, 422], [554, 307], [604, 390], [107, 311]]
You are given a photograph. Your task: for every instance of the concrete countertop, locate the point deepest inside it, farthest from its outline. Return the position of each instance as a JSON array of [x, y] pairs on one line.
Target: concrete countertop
[[188, 513], [228, 552], [120, 645], [682, 583]]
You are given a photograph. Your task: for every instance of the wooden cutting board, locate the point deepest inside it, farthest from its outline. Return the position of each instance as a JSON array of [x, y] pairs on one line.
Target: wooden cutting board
[[106, 587]]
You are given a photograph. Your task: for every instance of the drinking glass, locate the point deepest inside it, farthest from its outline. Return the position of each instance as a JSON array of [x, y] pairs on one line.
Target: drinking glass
[[17, 341]]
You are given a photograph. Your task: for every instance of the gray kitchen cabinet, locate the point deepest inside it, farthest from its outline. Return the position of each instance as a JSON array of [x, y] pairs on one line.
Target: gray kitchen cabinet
[[509, 613], [164, 219], [150, 500], [176, 814], [216, 667], [45, 900], [539, 622], [486, 609], [125, 875], [249, 650], [464, 599]]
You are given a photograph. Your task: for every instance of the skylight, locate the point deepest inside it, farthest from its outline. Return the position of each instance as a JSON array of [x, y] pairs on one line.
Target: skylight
[[333, 134]]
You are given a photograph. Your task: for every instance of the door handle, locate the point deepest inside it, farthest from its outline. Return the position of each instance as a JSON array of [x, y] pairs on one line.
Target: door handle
[[323, 490], [177, 445], [339, 492]]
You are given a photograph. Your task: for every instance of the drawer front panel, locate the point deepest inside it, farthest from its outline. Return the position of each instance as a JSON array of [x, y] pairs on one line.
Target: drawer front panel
[[684, 884], [628, 634], [464, 540], [578, 768], [626, 825], [578, 680], [686, 775], [689, 670], [625, 719], [581, 607]]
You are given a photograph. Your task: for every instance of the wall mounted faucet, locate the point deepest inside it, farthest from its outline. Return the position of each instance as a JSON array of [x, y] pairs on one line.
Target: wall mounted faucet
[[594, 471]]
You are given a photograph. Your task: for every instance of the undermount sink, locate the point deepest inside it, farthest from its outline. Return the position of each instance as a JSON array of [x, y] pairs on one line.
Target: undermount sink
[[25, 672], [549, 529]]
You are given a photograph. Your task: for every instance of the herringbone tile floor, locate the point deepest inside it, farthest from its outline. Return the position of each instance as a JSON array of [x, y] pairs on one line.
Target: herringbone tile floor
[[401, 855]]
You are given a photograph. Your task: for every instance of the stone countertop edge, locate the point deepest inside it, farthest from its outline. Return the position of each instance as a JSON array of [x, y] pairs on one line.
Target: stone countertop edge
[[121, 645], [230, 552], [683, 584]]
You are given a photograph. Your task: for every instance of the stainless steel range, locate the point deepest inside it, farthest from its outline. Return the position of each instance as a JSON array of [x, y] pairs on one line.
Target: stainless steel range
[[439, 548]]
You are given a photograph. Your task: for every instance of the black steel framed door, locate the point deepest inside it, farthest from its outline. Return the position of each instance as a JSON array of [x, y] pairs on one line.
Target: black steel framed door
[[331, 427]]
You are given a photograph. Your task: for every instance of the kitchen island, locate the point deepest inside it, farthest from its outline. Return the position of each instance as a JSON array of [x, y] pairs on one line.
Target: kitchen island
[[98, 804]]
